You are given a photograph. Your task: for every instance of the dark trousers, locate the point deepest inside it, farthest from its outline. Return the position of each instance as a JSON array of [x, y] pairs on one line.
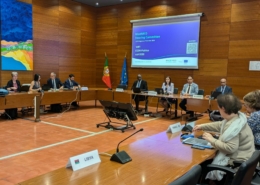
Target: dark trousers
[[182, 105], [139, 98]]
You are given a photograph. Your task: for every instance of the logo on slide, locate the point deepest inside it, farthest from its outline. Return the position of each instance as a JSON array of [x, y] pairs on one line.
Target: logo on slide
[[185, 61], [76, 161]]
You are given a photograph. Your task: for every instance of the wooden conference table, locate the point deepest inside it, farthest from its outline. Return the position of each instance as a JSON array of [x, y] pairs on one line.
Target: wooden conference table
[[158, 159]]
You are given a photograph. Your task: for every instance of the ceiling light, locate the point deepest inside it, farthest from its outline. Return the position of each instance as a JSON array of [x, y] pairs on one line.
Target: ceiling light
[[97, 3]]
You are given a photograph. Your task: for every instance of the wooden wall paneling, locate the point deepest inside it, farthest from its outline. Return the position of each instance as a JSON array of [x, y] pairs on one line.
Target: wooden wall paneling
[[46, 4], [88, 12], [247, 11], [240, 1], [26, 1], [69, 49], [208, 83], [45, 31], [206, 3], [88, 51], [244, 49], [213, 50], [179, 7], [107, 24], [69, 6], [46, 13], [88, 24], [240, 68], [44, 65], [245, 30], [215, 14], [45, 47], [108, 37], [243, 85], [212, 67], [69, 36], [88, 72], [68, 20], [88, 38], [214, 32], [153, 11], [124, 37], [107, 12], [64, 75]]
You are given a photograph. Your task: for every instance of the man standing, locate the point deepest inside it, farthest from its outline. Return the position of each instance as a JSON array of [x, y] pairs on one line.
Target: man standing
[[54, 82], [189, 89], [223, 88], [140, 83]]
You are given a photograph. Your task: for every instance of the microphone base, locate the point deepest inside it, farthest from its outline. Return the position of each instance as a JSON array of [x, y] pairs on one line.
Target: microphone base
[[187, 128], [121, 157]]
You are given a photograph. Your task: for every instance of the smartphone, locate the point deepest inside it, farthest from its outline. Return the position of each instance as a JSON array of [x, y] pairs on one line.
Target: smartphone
[[198, 147]]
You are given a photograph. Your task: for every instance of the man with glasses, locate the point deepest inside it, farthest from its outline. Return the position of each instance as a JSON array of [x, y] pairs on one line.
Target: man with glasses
[[223, 88]]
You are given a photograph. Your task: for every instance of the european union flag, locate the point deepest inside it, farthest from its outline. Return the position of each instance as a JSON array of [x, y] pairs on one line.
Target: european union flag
[[124, 76]]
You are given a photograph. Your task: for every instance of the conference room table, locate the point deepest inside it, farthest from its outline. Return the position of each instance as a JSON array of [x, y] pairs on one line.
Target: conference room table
[[158, 159]]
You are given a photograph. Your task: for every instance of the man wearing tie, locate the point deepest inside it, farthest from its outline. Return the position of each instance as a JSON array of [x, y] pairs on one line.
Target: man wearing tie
[[223, 88], [189, 89], [54, 82], [140, 83]]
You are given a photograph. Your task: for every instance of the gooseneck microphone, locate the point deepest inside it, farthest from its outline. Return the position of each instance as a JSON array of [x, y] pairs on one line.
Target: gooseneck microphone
[[122, 157]]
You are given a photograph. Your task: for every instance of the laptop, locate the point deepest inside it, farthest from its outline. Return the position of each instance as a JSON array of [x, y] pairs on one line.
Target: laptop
[[46, 87], [159, 90], [198, 142], [215, 94], [25, 88], [121, 86], [136, 90]]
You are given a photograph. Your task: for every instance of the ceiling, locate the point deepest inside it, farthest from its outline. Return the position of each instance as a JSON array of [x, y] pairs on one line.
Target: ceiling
[[104, 2]]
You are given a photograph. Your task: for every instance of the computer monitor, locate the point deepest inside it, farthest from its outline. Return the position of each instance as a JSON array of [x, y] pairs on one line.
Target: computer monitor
[[46, 87], [215, 94], [159, 90], [25, 88], [136, 90], [121, 86]]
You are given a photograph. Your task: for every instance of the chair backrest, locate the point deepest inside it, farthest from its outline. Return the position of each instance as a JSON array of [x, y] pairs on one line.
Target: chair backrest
[[246, 170], [191, 177], [201, 92], [176, 90]]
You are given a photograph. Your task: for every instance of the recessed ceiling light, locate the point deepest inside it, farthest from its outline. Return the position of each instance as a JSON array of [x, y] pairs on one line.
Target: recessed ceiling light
[[121, 0], [97, 4]]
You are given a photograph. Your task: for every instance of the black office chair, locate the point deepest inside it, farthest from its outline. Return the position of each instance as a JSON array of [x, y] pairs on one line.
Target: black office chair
[[190, 178], [244, 174], [201, 92]]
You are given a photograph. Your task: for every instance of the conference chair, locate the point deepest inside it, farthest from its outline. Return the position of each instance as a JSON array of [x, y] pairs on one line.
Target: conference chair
[[201, 92], [190, 178], [244, 174], [175, 103]]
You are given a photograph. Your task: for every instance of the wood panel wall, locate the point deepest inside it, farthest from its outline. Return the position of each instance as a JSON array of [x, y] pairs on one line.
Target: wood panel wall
[[229, 39], [64, 42]]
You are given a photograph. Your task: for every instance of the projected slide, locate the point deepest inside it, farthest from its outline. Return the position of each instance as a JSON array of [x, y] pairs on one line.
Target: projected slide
[[171, 45]]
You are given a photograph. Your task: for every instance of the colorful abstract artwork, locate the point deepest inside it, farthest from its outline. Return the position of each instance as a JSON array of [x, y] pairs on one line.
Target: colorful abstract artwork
[[16, 36]]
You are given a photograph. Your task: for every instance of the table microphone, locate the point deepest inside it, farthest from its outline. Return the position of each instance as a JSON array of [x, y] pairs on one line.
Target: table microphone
[[122, 157]]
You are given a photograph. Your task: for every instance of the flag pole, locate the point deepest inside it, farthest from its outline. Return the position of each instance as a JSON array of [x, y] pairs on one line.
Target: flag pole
[[105, 54], [125, 54]]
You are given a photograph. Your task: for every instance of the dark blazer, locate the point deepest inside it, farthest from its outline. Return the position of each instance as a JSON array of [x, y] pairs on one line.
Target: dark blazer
[[67, 84], [143, 85], [10, 84], [57, 81], [226, 91]]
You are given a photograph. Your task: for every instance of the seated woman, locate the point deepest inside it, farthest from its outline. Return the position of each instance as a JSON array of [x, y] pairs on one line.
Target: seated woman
[[252, 105], [168, 88], [236, 139], [14, 84], [36, 84]]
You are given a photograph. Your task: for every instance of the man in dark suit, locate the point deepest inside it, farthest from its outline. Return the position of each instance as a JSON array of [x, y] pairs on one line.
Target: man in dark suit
[[70, 83], [54, 82], [223, 88], [142, 84]]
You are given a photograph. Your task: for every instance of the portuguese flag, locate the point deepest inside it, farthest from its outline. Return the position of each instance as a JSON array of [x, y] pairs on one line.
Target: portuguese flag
[[106, 76]]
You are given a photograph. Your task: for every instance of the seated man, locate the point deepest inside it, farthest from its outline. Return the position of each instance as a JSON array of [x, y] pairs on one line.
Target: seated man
[[55, 83], [223, 88], [139, 83], [189, 89], [70, 83]]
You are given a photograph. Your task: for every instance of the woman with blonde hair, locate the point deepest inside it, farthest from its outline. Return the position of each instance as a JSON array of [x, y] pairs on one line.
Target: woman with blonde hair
[[252, 105]]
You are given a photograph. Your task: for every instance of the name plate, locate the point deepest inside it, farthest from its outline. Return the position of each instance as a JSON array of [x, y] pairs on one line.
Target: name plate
[[83, 160], [152, 93], [198, 96], [176, 127], [119, 90], [84, 88]]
